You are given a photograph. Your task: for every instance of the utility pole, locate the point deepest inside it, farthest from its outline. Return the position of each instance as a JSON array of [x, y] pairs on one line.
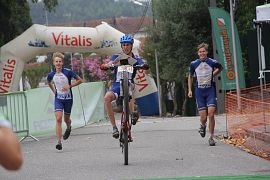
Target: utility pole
[[232, 6], [158, 85], [47, 22], [157, 67], [220, 93]]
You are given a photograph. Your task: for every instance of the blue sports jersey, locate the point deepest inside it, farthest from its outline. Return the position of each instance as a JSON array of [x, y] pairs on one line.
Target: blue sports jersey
[[139, 61], [116, 85], [60, 80], [204, 71], [205, 91]]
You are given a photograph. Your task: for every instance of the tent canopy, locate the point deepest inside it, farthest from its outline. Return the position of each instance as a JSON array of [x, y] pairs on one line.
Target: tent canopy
[[263, 12]]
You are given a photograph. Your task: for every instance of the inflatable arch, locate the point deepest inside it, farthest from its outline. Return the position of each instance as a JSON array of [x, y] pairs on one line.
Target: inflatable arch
[[39, 39]]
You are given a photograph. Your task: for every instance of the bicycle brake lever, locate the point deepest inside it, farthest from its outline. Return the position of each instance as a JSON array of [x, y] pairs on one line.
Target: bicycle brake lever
[[112, 67]]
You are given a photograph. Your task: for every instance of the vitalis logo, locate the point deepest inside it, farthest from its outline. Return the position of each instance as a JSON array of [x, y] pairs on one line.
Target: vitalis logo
[[8, 70], [66, 40], [37, 43], [106, 44]]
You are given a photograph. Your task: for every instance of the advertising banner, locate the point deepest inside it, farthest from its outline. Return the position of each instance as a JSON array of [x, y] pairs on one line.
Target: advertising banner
[[88, 107], [39, 39], [146, 94], [221, 25]]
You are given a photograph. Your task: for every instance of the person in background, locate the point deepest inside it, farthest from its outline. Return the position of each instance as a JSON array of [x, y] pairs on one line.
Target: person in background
[[205, 70], [59, 81], [169, 98]]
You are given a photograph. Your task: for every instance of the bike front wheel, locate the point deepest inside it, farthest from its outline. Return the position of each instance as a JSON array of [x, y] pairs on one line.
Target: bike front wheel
[[126, 117], [125, 143]]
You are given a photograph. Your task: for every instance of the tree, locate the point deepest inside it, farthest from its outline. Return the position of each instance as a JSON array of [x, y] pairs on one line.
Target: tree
[[49, 4], [15, 17], [85, 10], [180, 26], [34, 72], [245, 12]]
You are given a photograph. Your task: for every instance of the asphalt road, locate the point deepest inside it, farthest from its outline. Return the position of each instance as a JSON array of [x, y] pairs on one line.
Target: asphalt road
[[162, 148]]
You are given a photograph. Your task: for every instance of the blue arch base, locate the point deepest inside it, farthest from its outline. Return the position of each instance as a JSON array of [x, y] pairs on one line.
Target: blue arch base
[[148, 105]]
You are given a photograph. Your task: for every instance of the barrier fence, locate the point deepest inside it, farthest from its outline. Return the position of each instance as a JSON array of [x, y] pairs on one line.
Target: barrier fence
[[32, 112], [14, 107], [250, 125]]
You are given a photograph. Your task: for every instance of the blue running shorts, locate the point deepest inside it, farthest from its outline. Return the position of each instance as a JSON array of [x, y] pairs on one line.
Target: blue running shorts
[[116, 89], [63, 104], [205, 97]]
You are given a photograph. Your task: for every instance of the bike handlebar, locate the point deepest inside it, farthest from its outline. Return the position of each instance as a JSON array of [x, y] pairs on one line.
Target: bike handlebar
[[140, 66]]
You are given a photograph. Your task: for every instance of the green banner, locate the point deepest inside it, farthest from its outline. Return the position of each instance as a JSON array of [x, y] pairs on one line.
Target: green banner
[[88, 107], [221, 25]]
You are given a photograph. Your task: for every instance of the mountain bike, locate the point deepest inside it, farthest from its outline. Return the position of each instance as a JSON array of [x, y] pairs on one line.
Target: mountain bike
[[124, 75], [125, 68]]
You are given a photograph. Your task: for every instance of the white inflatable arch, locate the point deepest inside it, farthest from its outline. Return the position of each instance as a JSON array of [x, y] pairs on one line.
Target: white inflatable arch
[[39, 39]]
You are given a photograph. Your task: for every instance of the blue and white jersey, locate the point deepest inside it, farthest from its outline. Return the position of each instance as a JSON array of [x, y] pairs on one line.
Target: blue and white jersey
[[203, 70], [139, 61], [60, 80]]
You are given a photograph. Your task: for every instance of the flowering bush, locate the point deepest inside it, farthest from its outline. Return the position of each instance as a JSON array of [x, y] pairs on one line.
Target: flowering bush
[[91, 65]]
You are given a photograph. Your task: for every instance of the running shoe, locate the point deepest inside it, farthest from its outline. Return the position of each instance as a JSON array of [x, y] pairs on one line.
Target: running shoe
[[211, 142], [130, 139], [202, 130], [67, 133], [115, 133], [134, 117], [59, 146]]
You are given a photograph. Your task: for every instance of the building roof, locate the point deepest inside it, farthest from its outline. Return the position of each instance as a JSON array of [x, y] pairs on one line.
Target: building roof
[[127, 25]]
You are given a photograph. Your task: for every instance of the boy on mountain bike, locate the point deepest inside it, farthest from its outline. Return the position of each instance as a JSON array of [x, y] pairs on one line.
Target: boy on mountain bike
[[126, 42]]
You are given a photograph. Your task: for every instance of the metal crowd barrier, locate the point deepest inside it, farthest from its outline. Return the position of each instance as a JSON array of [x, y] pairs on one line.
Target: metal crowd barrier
[[14, 107]]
